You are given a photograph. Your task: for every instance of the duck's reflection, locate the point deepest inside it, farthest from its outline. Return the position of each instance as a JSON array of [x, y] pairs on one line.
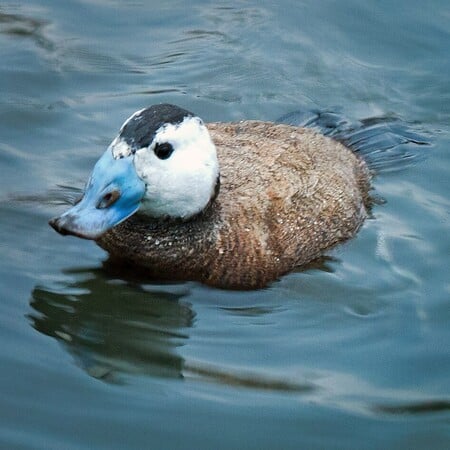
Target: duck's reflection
[[116, 326], [113, 327]]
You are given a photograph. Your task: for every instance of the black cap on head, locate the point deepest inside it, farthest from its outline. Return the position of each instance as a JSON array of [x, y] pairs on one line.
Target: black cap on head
[[140, 129]]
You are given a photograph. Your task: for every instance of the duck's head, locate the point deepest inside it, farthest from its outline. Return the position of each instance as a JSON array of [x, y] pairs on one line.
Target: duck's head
[[163, 164]]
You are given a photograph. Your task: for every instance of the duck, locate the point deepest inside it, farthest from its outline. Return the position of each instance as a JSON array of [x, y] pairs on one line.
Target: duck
[[233, 205]]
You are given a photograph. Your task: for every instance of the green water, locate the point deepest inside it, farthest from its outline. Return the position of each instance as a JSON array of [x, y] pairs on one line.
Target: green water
[[353, 353]]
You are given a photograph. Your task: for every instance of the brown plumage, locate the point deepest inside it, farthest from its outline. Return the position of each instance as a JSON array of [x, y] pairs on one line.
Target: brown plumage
[[287, 194]]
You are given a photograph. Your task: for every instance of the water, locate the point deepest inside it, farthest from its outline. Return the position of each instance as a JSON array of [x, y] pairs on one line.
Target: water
[[351, 353]]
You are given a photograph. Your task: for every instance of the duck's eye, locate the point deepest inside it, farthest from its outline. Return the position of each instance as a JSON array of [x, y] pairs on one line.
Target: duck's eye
[[164, 150], [108, 199]]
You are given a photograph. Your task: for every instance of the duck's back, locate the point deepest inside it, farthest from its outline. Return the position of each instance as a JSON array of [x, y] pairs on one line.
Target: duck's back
[[286, 195]]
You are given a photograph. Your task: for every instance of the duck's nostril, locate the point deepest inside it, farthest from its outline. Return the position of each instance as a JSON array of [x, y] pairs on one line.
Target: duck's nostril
[[108, 199]]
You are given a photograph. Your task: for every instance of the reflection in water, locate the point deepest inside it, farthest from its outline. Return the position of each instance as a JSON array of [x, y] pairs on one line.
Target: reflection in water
[[26, 27], [420, 407], [114, 327], [111, 327], [249, 380]]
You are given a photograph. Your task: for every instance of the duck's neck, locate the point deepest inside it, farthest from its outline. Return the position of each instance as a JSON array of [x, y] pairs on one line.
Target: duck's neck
[[183, 210]]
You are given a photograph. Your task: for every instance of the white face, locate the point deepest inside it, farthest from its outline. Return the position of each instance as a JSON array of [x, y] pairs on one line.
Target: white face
[[181, 181]]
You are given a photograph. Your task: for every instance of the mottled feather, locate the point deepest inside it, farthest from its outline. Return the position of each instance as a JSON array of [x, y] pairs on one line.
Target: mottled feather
[[287, 194]]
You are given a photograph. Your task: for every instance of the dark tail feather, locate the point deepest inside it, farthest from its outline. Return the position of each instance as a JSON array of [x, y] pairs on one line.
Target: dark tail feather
[[387, 143]]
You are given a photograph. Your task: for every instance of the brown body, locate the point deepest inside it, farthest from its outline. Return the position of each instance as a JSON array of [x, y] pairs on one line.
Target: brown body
[[286, 195]]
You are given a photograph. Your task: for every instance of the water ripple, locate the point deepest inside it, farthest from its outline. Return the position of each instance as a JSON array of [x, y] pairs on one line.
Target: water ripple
[[414, 408]]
